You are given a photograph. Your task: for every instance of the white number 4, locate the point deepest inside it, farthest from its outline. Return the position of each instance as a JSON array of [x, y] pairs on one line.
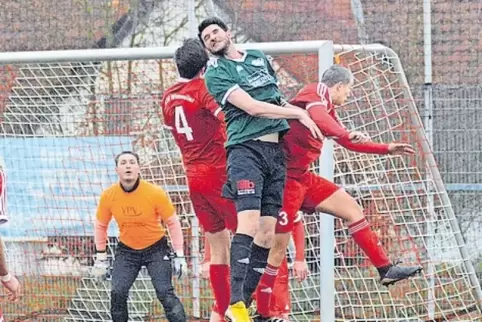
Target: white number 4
[[181, 123]]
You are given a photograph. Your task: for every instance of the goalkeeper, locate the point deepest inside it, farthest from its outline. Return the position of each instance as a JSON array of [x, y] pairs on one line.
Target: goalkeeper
[[138, 208]]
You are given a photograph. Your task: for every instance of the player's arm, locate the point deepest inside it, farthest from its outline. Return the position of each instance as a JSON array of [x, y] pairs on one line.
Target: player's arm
[[167, 213], [225, 89], [299, 241], [300, 267], [244, 101], [330, 127], [102, 220], [210, 104], [3, 259], [8, 280]]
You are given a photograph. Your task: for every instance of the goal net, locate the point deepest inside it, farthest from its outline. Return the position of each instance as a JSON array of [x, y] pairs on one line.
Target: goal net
[[63, 122]]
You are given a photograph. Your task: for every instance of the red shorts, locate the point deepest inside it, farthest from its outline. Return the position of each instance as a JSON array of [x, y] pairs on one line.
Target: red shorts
[[214, 212], [303, 193]]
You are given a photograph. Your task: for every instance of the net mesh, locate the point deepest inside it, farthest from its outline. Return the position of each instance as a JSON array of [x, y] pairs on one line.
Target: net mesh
[[63, 123]]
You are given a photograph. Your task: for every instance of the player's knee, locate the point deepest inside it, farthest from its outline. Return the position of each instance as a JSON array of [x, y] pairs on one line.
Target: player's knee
[[343, 206], [266, 233], [248, 222], [172, 306], [219, 243], [353, 212]]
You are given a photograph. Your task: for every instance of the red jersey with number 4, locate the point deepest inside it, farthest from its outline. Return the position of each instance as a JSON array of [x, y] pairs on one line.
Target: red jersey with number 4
[[301, 148], [191, 114]]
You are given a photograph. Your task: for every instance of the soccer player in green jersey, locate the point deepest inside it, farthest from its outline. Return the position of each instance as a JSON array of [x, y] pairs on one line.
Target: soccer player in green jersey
[[245, 86]]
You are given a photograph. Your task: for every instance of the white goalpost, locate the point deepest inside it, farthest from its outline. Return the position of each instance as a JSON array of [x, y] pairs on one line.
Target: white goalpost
[[65, 114]]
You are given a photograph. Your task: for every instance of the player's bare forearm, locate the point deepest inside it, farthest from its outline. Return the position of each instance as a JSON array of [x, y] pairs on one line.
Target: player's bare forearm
[[3, 259], [366, 147], [299, 240], [244, 101]]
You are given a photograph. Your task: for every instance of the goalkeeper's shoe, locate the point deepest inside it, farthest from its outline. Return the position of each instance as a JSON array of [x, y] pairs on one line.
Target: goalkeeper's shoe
[[397, 273], [237, 312]]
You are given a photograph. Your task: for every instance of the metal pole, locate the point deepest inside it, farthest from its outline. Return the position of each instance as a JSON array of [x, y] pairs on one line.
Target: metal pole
[[191, 17], [98, 55], [431, 220], [327, 222], [196, 269]]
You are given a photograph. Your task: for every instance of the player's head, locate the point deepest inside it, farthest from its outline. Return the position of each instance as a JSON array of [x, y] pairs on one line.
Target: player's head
[[215, 35], [190, 58], [127, 166], [339, 80]]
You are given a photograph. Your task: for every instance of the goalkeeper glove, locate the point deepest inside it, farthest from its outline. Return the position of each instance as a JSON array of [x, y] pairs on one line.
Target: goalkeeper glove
[[179, 265], [101, 267]]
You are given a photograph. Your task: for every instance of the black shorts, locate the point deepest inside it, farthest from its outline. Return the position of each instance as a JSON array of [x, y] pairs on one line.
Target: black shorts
[[256, 176]]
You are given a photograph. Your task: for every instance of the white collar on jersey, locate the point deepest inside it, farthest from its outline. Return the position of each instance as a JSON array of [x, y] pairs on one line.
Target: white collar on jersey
[[239, 60]]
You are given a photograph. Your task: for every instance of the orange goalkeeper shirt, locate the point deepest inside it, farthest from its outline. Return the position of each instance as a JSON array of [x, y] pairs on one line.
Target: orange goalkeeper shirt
[[138, 213]]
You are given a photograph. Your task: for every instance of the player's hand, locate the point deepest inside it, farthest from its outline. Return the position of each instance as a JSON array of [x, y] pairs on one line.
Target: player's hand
[[300, 269], [11, 283], [358, 137], [101, 267], [205, 270], [400, 149], [179, 266], [311, 125]]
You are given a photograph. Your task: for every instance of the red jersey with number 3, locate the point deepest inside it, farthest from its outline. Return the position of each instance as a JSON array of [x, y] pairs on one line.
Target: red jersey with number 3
[[301, 148], [192, 115]]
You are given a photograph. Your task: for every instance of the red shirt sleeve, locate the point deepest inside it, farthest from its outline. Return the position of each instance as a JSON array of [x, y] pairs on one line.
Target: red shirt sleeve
[[331, 127], [210, 104], [367, 147], [328, 125]]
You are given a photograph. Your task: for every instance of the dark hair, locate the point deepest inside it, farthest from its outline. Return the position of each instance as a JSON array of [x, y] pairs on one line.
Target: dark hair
[[126, 152], [190, 58], [208, 22]]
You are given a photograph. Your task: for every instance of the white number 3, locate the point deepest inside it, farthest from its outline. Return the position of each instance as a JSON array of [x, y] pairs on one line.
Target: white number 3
[[283, 218], [181, 123]]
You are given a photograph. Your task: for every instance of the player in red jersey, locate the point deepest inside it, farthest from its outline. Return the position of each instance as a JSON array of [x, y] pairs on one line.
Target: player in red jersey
[[196, 123], [309, 192], [280, 303]]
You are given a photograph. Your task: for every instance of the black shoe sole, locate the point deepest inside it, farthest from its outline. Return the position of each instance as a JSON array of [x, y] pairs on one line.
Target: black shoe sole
[[387, 284]]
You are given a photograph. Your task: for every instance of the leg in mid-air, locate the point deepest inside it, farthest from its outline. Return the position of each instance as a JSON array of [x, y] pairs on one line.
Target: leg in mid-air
[[157, 260], [292, 200], [258, 199], [126, 267], [324, 196]]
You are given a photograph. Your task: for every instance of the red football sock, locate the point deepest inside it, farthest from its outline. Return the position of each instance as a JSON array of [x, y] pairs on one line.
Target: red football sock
[[265, 289], [368, 241], [220, 284]]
